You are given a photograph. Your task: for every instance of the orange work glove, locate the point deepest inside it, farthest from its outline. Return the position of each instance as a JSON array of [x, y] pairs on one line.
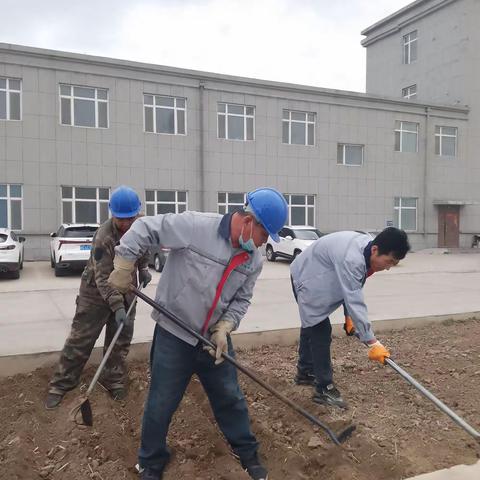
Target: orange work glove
[[378, 353], [348, 326]]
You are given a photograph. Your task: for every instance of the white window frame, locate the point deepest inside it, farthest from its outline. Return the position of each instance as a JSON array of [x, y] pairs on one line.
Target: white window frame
[[228, 203], [245, 116], [73, 201], [409, 92], [401, 130], [177, 203], [305, 122], [7, 91], [440, 135], [398, 211], [306, 205], [344, 145], [9, 199], [154, 107], [407, 47], [72, 98]]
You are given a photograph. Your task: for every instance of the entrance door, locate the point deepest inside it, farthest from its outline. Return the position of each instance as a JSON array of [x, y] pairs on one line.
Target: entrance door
[[448, 226]]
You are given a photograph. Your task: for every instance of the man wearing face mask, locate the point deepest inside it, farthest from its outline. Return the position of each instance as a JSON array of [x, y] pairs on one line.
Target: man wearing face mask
[[207, 281]]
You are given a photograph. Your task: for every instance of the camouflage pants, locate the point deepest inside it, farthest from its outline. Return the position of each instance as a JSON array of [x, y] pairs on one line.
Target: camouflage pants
[[87, 325]]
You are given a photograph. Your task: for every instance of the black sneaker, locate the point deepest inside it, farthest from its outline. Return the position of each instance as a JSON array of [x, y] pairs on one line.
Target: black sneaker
[[329, 395], [254, 468], [149, 474], [304, 378], [53, 400]]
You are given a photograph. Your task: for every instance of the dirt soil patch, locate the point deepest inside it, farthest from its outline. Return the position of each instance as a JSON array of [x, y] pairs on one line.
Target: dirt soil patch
[[399, 433]]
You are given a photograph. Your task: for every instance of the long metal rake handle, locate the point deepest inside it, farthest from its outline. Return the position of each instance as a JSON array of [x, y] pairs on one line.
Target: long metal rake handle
[[110, 348], [336, 439], [438, 403]]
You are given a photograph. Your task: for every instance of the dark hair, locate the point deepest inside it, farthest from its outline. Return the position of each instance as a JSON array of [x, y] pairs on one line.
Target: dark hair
[[392, 241]]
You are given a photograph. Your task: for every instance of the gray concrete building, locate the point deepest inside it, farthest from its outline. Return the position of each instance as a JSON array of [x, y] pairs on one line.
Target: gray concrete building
[[73, 127]]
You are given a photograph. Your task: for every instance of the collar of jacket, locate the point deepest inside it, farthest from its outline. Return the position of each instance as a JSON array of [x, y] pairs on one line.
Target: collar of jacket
[[367, 253], [224, 228]]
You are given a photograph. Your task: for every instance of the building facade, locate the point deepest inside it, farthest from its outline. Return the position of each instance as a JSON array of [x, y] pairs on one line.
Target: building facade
[[73, 127]]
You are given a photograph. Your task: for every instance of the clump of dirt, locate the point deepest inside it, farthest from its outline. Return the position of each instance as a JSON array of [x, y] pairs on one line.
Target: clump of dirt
[[399, 433]]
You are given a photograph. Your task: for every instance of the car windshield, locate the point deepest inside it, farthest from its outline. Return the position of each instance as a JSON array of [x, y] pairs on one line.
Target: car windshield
[[84, 232], [3, 238], [312, 234]]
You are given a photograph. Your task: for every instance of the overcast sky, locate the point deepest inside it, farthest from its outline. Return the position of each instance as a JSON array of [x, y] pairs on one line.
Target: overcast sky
[[311, 42]]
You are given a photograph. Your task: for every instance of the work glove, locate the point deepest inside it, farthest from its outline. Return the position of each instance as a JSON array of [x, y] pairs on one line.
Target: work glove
[[348, 326], [377, 352], [121, 277], [121, 317], [144, 277], [219, 336]]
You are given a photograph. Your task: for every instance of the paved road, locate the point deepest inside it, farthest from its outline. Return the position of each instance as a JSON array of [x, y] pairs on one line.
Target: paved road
[[36, 311]]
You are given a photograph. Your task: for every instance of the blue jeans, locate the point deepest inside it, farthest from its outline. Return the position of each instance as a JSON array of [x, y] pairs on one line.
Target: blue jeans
[[172, 363]]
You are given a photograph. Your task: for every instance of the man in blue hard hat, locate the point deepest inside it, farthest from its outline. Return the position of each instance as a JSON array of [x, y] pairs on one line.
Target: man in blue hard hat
[[99, 305], [208, 282]]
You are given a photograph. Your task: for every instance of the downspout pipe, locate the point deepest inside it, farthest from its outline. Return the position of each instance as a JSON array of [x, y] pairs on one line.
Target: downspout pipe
[[425, 172], [201, 153]]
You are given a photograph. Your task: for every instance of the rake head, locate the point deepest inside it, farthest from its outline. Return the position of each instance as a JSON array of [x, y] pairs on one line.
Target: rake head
[[85, 410]]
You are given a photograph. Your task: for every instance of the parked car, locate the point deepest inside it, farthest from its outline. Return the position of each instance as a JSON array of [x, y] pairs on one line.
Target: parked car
[[293, 240], [11, 252], [158, 257], [70, 246]]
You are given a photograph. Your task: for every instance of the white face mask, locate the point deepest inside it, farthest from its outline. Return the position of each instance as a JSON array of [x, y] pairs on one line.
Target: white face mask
[[249, 245]]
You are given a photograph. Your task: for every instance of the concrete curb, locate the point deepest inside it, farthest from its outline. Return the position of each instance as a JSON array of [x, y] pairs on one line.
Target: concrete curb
[[16, 364], [459, 472]]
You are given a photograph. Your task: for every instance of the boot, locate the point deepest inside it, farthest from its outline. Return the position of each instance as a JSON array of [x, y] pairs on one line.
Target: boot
[[53, 400]]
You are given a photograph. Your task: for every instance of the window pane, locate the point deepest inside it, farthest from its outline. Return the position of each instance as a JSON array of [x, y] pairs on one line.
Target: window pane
[[340, 154], [249, 110], [86, 193], [3, 83], [311, 136], [437, 129], [411, 127], [235, 128], [221, 210], [353, 154], [311, 117], [165, 208], [181, 122], [413, 51], [409, 142], [164, 101], [409, 219], [66, 192], [298, 133], [101, 94], [148, 99], [182, 196], [85, 212], [221, 197], [165, 120], [103, 212], [298, 216], [182, 208], [14, 106], [84, 113], [449, 130], [3, 190], [298, 200], [150, 209], [65, 90], [298, 116], [103, 194], [84, 92], [221, 107], [14, 84], [249, 128], [285, 132], [448, 146], [233, 208], [437, 145], [16, 212], [148, 119], [149, 195], [66, 116], [285, 114], [16, 191], [397, 141], [221, 126], [311, 221], [3, 214], [409, 202], [180, 103], [102, 115], [165, 196], [3, 105], [236, 198], [67, 212], [397, 201], [311, 199], [237, 109]]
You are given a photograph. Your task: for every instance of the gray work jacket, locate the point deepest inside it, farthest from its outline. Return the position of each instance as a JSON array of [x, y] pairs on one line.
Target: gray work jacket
[[200, 251], [332, 271]]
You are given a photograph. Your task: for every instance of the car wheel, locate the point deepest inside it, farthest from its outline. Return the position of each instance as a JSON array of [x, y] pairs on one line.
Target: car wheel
[[52, 262], [59, 272], [157, 264], [21, 264], [270, 253], [15, 274]]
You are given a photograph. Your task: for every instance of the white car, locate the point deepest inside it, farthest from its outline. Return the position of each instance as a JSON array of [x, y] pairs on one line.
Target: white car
[[293, 241], [70, 246], [11, 252]]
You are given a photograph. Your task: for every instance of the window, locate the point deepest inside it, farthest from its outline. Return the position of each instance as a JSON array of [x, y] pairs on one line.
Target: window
[[409, 92], [10, 99], [446, 141], [349, 154], [301, 210], [165, 201], [165, 114], [229, 202], [406, 136], [11, 215], [236, 122], [298, 128], [85, 204], [83, 106], [410, 47], [405, 213]]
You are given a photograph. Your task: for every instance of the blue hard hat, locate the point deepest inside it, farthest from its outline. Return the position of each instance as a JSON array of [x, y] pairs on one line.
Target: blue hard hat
[[270, 209], [124, 202]]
